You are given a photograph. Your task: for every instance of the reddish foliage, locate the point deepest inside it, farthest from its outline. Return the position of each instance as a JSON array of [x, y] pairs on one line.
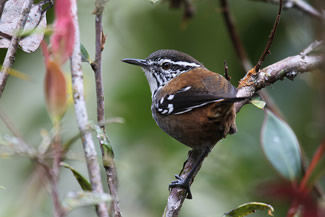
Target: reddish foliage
[[317, 156], [62, 43], [291, 192], [55, 90], [300, 196], [63, 38]]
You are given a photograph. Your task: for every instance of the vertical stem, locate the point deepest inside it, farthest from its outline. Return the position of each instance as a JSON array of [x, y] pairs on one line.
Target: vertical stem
[[82, 117], [54, 178], [58, 210], [98, 70], [11, 52], [110, 168]]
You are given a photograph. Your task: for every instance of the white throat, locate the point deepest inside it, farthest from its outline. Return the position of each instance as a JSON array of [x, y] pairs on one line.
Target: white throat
[[151, 80]]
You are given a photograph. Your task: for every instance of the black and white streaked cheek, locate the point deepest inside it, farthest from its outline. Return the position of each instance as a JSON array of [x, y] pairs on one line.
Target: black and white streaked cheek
[[161, 101], [177, 67], [152, 81], [157, 76]]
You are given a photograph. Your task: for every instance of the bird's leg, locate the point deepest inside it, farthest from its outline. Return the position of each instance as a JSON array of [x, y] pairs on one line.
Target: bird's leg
[[185, 182], [188, 155]]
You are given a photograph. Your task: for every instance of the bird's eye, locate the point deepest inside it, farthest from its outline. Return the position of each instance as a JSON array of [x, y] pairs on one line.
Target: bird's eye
[[166, 65]]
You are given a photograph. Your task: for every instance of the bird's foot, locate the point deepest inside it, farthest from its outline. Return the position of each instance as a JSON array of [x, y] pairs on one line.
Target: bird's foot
[[182, 183]]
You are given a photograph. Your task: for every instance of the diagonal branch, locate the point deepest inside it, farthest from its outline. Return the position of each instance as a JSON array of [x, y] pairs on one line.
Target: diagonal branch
[[82, 117], [300, 5], [271, 37], [241, 52], [289, 67], [234, 36], [11, 52]]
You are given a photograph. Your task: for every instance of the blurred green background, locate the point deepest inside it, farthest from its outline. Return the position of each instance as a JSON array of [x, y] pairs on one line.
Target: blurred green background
[[146, 157]]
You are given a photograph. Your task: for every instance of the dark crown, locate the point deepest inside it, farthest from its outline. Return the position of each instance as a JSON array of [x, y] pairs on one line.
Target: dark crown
[[173, 55]]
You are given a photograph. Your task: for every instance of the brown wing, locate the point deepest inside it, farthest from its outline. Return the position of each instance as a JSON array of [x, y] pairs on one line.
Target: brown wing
[[192, 90]]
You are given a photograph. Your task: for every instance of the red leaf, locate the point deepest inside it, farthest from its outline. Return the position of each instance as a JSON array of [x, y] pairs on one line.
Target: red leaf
[[63, 38], [45, 52], [317, 156], [291, 192], [55, 90]]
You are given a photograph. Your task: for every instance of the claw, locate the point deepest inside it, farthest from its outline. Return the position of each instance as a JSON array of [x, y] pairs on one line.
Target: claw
[[185, 183], [182, 183]]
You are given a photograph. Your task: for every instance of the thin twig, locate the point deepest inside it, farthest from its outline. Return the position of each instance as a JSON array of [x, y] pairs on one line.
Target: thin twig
[[98, 70], [82, 116], [308, 9], [289, 67], [24, 146], [271, 37], [236, 42], [110, 168], [58, 209], [241, 53], [54, 179], [300, 5], [11, 52], [226, 70]]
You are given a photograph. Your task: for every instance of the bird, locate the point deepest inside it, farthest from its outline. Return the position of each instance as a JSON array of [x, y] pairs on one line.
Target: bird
[[189, 102]]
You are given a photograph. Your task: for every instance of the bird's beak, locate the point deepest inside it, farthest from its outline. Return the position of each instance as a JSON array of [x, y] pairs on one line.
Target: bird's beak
[[138, 62]]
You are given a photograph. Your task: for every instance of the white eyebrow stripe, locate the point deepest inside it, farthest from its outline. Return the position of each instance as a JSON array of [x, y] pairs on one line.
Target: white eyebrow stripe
[[181, 63]]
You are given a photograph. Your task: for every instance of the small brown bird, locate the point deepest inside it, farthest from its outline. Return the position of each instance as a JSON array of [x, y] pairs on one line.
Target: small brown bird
[[189, 102]]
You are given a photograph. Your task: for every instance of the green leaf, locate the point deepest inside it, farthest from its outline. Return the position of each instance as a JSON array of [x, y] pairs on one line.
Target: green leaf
[[281, 146], [104, 141], [84, 54], [83, 182], [29, 32], [75, 200], [257, 101], [249, 208]]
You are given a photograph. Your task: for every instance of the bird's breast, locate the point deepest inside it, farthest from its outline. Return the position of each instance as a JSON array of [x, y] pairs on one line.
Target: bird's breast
[[200, 127]]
